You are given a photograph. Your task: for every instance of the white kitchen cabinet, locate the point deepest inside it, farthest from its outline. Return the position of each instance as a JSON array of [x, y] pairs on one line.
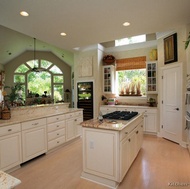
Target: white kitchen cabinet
[[151, 68], [34, 140], [110, 166], [150, 119], [70, 129], [108, 79], [107, 109], [73, 127], [129, 147], [130, 109], [10, 147], [56, 130]]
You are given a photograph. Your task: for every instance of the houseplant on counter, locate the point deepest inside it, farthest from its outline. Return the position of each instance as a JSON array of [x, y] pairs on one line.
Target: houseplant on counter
[[14, 98]]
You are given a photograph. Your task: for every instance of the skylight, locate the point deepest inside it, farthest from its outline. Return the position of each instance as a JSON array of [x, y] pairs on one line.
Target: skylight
[[130, 40]]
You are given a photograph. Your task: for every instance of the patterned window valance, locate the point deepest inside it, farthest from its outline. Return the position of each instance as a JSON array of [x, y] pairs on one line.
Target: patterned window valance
[[131, 63]]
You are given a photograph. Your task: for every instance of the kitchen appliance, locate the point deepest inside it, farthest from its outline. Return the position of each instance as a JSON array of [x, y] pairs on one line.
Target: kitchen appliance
[[85, 99], [120, 115]]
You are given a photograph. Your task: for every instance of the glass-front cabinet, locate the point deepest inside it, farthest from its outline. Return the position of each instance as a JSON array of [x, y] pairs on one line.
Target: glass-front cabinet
[[108, 79], [151, 68]]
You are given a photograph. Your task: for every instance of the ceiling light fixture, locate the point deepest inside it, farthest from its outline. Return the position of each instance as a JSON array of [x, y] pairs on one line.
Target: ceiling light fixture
[[126, 24], [24, 13], [63, 34]]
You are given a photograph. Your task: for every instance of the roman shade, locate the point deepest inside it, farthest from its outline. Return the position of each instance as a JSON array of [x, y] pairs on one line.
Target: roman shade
[[131, 63]]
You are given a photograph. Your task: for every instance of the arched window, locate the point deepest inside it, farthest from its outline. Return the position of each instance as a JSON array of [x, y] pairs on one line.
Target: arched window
[[48, 81]]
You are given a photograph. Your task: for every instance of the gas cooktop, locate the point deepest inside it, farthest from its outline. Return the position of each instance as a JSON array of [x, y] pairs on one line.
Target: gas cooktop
[[120, 115]]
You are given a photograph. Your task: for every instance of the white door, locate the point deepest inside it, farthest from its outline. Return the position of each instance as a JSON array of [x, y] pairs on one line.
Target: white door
[[172, 103]]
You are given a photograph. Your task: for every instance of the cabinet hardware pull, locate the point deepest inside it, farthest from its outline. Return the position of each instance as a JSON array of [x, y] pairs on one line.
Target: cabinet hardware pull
[[35, 124], [57, 134], [75, 119], [129, 140], [9, 129], [126, 133], [57, 125], [137, 132]]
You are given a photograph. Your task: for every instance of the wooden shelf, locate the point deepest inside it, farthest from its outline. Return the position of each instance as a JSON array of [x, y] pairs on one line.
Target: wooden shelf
[[130, 95]]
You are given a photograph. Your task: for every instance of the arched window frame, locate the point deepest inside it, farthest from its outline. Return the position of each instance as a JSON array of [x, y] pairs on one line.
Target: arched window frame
[[25, 74]]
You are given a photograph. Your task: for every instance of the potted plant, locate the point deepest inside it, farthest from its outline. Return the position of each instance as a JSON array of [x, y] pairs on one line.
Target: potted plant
[[132, 85], [15, 95], [138, 88]]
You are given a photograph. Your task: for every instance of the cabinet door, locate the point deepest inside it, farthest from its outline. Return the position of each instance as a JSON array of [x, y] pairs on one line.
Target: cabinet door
[[139, 134], [150, 122], [132, 146], [78, 126], [70, 129], [34, 142], [10, 151], [124, 155], [108, 79], [151, 77]]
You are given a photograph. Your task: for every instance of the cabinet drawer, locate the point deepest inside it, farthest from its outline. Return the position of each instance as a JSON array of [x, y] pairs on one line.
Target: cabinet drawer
[[127, 130], [56, 142], [130, 109], [10, 129], [56, 134], [71, 115], [34, 123], [146, 110], [55, 126], [152, 111], [108, 109], [54, 119], [80, 113]]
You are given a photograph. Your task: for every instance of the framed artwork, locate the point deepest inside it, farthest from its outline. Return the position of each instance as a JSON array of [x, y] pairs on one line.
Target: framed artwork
[[170, 49]]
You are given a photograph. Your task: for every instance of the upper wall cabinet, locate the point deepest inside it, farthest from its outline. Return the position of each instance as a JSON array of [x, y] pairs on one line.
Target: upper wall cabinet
[[108, 79], [151, 68]]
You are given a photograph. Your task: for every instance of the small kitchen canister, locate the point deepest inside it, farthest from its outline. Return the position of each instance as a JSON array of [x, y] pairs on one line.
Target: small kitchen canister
[[6, 113], [111, 101]]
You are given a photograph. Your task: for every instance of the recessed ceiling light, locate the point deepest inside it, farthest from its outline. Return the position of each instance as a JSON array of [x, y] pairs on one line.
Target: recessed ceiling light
[[24, 13], [126, 24], [63, 34]]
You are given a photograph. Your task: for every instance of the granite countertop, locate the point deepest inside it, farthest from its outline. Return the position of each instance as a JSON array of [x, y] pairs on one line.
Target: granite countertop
[[107, 124], [7, 181], [23, 119]]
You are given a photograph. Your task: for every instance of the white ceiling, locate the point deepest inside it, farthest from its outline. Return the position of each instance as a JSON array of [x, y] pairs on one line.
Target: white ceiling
[[86, 22]]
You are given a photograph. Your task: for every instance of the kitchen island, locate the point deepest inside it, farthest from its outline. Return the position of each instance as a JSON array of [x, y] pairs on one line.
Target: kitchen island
[[109, 148]]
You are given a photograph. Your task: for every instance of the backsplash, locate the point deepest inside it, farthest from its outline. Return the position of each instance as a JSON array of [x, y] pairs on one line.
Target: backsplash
[[37, 110]]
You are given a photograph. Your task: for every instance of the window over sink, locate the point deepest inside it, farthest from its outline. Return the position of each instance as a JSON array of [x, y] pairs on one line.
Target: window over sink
[[131, 77]]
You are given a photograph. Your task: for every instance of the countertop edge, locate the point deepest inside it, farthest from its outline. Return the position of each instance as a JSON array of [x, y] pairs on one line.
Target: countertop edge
[[97, 124], [14, 121]]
